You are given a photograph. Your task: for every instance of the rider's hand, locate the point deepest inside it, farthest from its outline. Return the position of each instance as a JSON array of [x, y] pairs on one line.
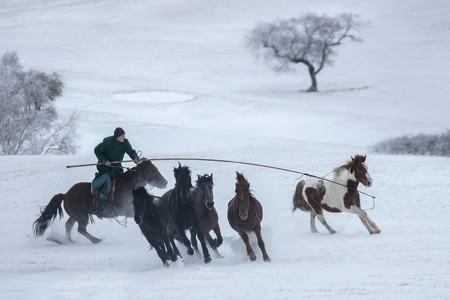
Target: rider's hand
[[107, 163], [136, 161]]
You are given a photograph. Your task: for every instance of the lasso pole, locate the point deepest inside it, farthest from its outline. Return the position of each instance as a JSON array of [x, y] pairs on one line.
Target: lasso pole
[[221, 161], [255, 165], [99, 164]]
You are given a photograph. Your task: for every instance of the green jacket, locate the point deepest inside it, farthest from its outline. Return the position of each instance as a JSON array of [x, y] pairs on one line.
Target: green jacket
[[113, 150]]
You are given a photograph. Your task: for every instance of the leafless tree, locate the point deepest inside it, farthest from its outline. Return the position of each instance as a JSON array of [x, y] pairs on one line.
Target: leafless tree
[[309, 40], [29, 122]]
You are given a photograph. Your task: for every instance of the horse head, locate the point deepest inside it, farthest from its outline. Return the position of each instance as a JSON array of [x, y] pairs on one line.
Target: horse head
[[242, 196], [204, 190], [183, 183], [360, 170], [139, 203], [150, 174]]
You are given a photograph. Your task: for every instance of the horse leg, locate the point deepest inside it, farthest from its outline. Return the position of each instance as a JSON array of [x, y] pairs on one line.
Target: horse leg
[[175, 248], [212, 243], [261, 244], [69, 225], [170, 251], [362, 214], [312, 221], [194, 240], [219, 238], [315, 197], [250, 252], [167, 250], [186, 242], [366, 223], [324, 223], [160, 251], [206, 256], [82, 224]]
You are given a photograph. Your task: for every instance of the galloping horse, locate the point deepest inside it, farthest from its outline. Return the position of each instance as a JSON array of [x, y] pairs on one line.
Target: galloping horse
[[79, 203], [245, 214], [203, 199], [339, 195], [183, 211], [152, 215]]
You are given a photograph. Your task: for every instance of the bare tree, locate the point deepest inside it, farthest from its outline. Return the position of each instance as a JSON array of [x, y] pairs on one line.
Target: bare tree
[[309, 40], [28, 119]]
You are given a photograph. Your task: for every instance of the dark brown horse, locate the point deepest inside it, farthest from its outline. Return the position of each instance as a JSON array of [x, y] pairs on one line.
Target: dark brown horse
[[79, 204], [245, 214], [338, 195], [203, 198]]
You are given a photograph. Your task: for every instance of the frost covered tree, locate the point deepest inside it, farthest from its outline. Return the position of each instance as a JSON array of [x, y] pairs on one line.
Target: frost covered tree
[[310, 40], [28, 119]]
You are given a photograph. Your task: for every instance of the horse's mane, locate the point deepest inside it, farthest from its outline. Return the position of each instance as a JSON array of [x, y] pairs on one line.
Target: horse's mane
[[181, 170], [126, 175], [205, 179], [349, 164], [241, 180]]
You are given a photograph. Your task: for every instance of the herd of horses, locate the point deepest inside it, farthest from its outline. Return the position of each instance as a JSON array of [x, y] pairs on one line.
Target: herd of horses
[[165, 220]]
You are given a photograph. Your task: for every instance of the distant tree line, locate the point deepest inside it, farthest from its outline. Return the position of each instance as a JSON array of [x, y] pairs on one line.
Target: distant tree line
[[28, 119], [419, 144]]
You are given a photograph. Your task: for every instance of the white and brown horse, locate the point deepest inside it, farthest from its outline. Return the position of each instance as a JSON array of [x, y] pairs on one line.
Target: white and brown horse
[[337, 195]]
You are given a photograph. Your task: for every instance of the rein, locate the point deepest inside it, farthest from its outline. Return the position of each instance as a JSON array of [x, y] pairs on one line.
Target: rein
[[261, 166]]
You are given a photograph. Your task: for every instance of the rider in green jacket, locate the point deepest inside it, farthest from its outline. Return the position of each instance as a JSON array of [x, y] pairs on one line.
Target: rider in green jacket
[[110, 153]]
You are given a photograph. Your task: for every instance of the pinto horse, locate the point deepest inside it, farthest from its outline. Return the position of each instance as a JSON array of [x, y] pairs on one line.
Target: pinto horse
[[152, 215], [245, 214], [183, 210], [203, 199], [79, 201], [338, 195]]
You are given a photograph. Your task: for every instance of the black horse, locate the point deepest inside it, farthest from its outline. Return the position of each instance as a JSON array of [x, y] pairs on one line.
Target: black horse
[[203, 198], [183, 211], [152, 215]]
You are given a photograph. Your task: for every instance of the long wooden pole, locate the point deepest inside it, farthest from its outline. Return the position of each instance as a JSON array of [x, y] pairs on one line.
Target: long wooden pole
[[223, 161], [99, 164]]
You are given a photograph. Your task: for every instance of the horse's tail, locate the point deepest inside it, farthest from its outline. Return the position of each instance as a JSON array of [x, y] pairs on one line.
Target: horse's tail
[[49, 213], [298, 201]]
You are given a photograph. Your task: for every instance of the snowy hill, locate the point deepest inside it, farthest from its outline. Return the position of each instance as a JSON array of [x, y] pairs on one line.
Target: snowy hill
[[177, 77]]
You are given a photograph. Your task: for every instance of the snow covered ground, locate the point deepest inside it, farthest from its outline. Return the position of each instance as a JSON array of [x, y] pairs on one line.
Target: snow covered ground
[[177, 77]]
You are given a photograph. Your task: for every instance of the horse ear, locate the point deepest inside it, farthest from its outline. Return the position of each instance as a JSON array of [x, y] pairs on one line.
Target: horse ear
[[179, 165], [198, 177]]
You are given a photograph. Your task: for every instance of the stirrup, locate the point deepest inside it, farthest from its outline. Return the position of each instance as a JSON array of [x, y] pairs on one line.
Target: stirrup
[[100, 196]]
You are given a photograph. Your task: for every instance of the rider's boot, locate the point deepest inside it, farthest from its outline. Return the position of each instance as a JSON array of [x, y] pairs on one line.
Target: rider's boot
[[100, 203]]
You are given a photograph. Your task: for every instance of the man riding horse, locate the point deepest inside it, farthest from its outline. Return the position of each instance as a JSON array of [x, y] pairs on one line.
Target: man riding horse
[[110, 153]]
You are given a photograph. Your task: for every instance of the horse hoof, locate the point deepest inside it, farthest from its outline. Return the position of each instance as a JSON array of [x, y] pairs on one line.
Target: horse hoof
[[207, 260], [190, 251], [267, 259], [252, 256]]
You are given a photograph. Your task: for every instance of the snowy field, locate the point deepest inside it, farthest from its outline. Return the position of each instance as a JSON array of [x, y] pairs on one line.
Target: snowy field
[[177, 77]]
